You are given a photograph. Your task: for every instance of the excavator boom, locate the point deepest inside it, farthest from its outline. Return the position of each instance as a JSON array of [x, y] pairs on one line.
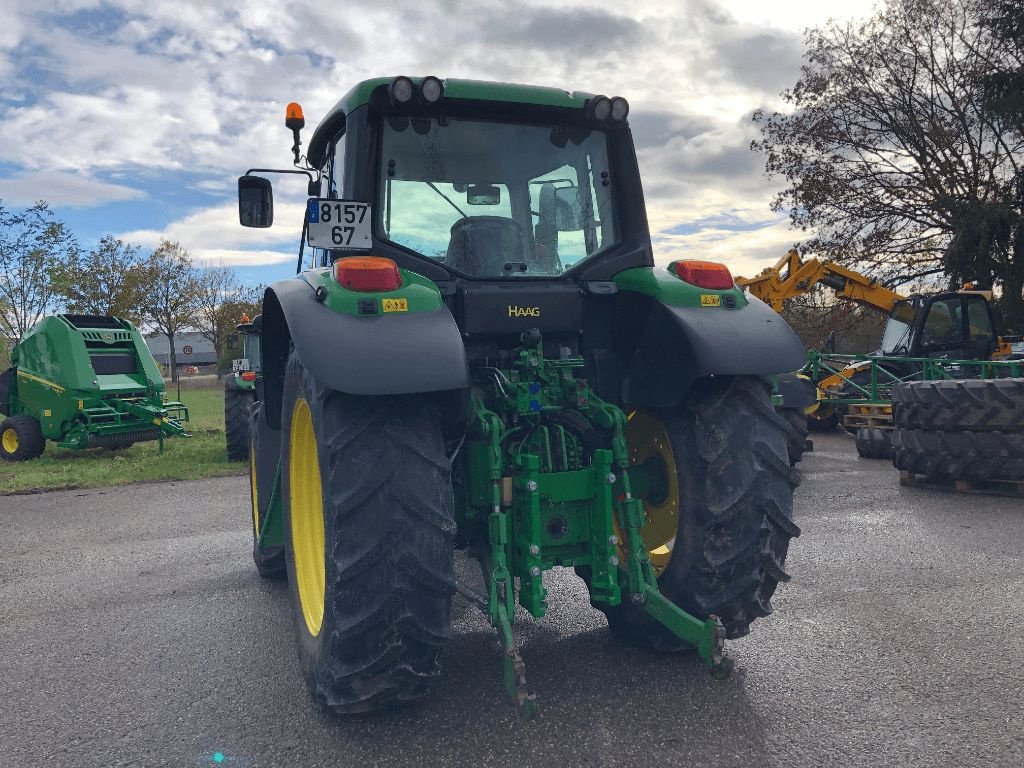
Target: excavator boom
[[792, 276]]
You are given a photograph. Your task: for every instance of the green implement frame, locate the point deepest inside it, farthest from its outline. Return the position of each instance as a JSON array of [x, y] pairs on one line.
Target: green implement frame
[[846, 372]]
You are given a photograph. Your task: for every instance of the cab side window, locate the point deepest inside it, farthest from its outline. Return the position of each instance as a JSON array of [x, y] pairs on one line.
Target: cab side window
[[944, 324], [979, 323]]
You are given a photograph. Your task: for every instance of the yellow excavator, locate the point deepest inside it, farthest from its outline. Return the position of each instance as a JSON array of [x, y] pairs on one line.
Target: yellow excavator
[[954, 325]]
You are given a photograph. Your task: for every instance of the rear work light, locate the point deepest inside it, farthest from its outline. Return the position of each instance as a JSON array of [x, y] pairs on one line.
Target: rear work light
[[367, 273], [703, 274]]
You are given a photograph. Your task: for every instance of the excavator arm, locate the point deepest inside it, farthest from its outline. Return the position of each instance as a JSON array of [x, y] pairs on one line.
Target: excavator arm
[[792, 276]]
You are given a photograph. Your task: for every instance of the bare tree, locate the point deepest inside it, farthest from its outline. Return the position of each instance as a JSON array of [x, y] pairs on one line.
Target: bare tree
[[893, 158], [173, 298], [222, 302], [111, 279], [33, 245]]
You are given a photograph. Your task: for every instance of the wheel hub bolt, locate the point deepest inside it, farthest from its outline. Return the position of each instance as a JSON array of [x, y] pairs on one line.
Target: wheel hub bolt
[[611, 478], [535, 571], [531, 486], [534, 549], [613, 540], [613, 560]]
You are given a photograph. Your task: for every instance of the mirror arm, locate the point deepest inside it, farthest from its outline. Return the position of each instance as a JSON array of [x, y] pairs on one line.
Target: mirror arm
[[308, 174]]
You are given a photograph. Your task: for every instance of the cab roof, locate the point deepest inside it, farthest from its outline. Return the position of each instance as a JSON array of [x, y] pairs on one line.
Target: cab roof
[[474, 90]]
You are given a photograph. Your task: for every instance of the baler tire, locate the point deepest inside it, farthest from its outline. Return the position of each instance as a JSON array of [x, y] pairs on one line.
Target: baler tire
[[388, 527], [874, 443], [735, 516], [796, 433], [28, 438], [959, 455], [269, 560], [237, 403], [995, 405]]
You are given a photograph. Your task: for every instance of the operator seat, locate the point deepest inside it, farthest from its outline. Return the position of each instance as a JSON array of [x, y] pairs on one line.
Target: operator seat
[[480, 246]]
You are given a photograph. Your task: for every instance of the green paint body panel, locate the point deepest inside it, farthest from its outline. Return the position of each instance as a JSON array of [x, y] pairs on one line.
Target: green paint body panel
[[420, 294], [476, 90], [56, 382], [660, 284]]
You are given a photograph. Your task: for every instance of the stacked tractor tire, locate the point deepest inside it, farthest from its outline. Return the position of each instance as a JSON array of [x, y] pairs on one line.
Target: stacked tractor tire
[[969, 431]]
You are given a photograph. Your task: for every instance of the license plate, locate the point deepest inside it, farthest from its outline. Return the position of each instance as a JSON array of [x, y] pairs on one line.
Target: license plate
[[338, 224], [240, 365]]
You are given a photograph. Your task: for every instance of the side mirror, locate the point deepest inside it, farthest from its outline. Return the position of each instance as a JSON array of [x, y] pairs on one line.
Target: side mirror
[[255, 202], [830, 343]]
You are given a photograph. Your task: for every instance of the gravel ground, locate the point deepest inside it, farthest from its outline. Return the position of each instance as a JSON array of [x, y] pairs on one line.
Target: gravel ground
[[136, 632]]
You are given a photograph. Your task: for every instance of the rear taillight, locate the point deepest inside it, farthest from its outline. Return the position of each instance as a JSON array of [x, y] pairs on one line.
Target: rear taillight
[[703, 274], [367, 273], [249, 376]]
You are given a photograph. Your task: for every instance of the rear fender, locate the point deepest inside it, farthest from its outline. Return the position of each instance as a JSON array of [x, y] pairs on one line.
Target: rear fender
[[680, 344], [388, 354]]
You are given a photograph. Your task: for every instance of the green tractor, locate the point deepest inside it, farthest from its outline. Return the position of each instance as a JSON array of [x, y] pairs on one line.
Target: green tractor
[[240, 389], [478, 353], [83, 381]]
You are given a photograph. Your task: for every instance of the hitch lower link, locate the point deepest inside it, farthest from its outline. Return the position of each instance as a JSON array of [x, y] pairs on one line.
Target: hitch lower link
[[641, 585]]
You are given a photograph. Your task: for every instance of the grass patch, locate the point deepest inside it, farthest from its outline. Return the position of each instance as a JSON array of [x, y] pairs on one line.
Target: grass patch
[[202, 455]]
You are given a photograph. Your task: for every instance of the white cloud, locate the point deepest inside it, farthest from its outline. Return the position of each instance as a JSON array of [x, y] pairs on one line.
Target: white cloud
[[72, 190], [154, 86], [214, 236]]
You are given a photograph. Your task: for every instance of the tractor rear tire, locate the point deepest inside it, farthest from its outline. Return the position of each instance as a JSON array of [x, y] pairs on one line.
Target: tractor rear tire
[[960, 404], [734, 516], [21, 438], [945, 455], [372, 600], [269, 559], [796, 434], [237, 403], [874, 443]]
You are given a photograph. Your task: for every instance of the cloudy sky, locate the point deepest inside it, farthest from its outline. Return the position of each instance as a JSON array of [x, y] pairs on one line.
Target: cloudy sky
[[135, 117]]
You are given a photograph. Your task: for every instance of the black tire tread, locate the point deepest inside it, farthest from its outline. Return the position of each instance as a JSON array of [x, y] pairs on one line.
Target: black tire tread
[[796, 434], [269, 560], [961, 404], [31, 442], [953, 455], [237, 403], [389, 532], [874, 443], [737, 484]]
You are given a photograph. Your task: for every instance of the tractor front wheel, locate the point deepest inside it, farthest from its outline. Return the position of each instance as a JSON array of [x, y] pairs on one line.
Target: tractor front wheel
[[719, 531], [21, 438], [369, 528]]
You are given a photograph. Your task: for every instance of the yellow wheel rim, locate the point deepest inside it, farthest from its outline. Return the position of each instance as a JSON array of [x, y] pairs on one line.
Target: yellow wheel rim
[[253, 491], [307, 515], [647, 438], [10, 440]]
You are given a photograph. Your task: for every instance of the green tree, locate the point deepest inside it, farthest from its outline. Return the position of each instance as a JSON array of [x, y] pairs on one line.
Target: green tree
[[222, 302], [34, 245], [172, 302], [111, 279], [892, 154]]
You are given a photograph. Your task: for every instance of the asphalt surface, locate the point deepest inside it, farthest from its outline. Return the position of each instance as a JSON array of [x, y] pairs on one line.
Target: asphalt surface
[[136, 632]]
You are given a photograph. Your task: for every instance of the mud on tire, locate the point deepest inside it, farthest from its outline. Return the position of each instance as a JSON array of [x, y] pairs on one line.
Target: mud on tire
[[735, 517], [388, 532]]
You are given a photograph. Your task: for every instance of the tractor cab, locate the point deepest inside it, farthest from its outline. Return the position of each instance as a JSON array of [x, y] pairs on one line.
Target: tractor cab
[[955, 325]]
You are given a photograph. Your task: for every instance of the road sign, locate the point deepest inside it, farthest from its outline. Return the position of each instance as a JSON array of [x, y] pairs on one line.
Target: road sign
[[187, 349]]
